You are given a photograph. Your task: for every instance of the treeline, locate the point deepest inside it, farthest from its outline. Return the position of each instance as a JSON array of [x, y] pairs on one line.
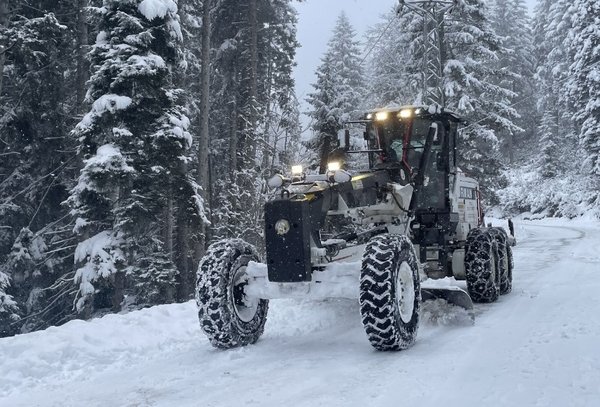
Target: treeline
[[133, 132], [559, 173]]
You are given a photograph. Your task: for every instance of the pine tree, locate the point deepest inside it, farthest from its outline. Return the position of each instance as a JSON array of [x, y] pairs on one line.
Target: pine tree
[[136, 147], [515, 67], [9, 309], [583, 46], [394, 68], [470, 56], [472, 50], [338, 89], [253, 59], [37, 107], [550, 29], [554, 183], [30, 270]]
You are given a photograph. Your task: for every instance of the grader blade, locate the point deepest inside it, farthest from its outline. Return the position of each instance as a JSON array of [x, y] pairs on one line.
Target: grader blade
[[450, 294]]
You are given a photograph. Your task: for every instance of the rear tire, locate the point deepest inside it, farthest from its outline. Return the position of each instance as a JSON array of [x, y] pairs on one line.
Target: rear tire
[[390, 293], [481, 266], [505, 261], [226, 315]]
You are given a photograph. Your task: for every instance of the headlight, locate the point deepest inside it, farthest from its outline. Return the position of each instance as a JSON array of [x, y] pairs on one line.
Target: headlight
[[282, 226], [297, 169], [333, 166]]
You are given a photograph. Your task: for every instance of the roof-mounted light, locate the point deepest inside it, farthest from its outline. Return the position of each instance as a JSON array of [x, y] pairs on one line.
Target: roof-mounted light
[[381, 116], [405, 113]]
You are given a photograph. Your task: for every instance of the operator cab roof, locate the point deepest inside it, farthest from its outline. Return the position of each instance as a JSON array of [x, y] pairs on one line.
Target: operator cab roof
[[413, 110]]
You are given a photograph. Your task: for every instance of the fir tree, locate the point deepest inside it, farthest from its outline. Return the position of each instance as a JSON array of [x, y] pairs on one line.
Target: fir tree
[[471, 53], [251, 83], [583, 46], [394, 70], [515, 67], [338, 89], [136, 146], [37, 107], [470, 56], [550, 29], [9, 309]]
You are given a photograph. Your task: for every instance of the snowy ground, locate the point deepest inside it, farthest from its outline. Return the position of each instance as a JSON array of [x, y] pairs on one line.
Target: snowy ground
[[538, 346]]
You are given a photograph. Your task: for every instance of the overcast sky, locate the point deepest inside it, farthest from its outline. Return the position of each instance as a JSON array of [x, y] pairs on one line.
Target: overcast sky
[[316, 21]]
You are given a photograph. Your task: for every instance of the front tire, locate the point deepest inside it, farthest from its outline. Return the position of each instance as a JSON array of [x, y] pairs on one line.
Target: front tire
[[226, 315], [390, 293]]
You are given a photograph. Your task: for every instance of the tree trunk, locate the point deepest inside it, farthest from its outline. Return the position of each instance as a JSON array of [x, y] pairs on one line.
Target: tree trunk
[[82, 42], [511, 148], [233, 140], [185, 279], [118, 291], [267, 138], [253, 96], [325, 151], [168, 236], [204, 139], [3, 22]]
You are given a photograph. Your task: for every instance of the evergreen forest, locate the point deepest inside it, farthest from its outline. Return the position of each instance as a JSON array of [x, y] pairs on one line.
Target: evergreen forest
[[133, 133]]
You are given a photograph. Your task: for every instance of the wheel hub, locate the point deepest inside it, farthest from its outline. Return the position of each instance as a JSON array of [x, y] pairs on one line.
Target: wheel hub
[[405, 292], [245, 307]]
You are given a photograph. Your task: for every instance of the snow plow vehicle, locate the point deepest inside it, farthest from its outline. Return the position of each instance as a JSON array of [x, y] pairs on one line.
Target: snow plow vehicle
[[401, 231]]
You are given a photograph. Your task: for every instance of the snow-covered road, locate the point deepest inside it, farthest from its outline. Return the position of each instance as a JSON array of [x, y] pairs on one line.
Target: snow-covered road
[[538, 346]]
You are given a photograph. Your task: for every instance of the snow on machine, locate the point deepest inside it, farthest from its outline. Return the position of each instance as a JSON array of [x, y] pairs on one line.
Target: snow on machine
[[396, 233]]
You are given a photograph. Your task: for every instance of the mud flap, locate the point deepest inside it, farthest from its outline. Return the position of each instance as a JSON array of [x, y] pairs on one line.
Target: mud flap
[[451, 294]]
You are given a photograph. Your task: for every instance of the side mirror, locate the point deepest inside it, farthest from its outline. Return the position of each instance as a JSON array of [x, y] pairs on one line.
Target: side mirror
[[439, 133], [346, 145], [433, 134]]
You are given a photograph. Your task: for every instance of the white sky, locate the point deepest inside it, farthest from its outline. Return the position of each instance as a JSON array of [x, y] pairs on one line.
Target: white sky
[[316, 21]]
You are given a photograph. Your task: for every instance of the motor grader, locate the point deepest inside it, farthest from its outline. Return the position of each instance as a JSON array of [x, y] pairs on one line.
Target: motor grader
[[401, 230]]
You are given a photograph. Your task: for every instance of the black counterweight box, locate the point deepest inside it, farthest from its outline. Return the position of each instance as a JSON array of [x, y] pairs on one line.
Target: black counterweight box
[[288, 254]]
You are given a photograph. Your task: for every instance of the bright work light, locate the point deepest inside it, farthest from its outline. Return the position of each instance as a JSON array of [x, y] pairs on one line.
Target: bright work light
[[333, 166], [381, 116], [405, 114], [297, 169]]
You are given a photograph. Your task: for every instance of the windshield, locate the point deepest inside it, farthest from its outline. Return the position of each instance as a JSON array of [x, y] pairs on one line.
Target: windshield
[[399, 140]]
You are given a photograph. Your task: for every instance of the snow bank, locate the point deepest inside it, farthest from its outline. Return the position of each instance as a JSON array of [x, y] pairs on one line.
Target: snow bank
[[78, 350]]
